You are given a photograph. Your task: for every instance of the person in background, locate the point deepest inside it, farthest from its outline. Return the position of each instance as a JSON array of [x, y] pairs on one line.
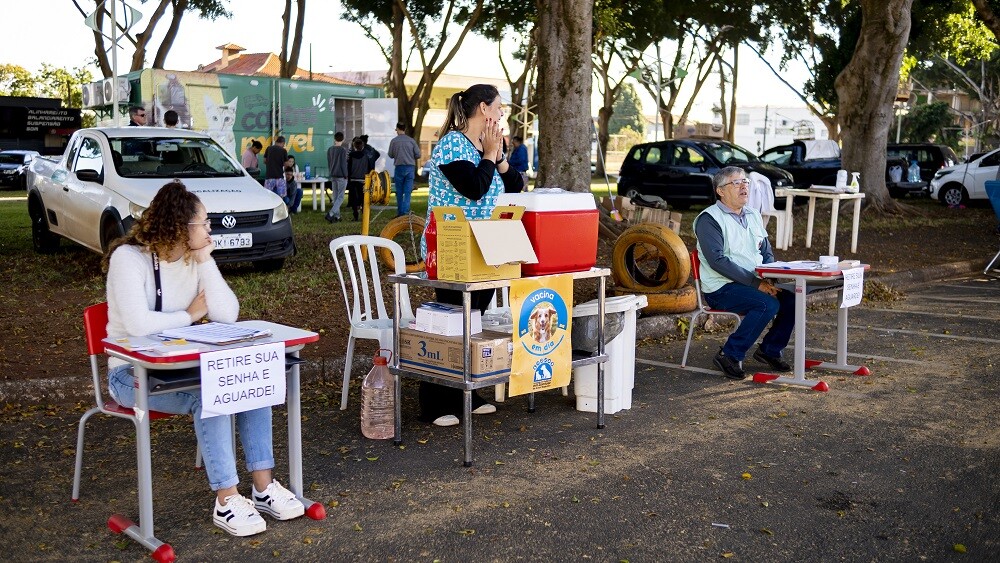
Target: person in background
[[290, 161], [404, 152], [372, 154], [469, 171], [170, 247], [336, 160], [519, 157], [274, 160], [359, 164], [249, 158], [136, 116], [732, 242], [170, 119], [294, 190]]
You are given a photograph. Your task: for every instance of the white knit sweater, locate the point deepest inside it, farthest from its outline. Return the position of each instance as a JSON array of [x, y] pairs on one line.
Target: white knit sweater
[[132, 294]]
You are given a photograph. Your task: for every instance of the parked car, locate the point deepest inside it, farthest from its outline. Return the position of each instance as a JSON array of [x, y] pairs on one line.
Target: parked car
[[817, 163], [929, 157], [107, 177], [956, 185], [680, 170], [14, 168]]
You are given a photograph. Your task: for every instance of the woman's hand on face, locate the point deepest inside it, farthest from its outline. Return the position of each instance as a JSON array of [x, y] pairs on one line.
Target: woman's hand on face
[[198, 308], [492, 140], [204, 253]]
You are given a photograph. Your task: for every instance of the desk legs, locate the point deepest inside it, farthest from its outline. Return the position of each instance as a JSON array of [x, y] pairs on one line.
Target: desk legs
[[809, 222], [293, 399], [143, 532], [841, 364], [854, 227], [834, 215], [799, 362], [314, 196]]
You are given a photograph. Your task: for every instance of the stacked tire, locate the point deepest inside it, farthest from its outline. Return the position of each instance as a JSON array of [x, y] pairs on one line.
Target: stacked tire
[[652, 260]]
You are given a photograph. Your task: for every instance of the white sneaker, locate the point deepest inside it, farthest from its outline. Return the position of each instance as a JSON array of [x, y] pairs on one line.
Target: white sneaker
[[488, 408], [446, 420], [238, 516], [278, 502]]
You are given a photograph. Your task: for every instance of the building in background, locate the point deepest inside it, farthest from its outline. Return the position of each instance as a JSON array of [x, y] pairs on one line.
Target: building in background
[[37, 124], [759, 128]]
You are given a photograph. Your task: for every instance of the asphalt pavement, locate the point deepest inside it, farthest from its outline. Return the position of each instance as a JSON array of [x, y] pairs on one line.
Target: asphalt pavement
[[898, 466]]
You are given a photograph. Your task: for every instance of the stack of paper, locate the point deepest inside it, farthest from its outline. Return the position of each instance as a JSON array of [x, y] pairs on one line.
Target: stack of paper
[[446, 320], [795, 265], [215, 333]]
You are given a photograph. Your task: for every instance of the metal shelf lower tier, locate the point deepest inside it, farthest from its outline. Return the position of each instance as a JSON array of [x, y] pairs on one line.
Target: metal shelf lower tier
[[481, 382]]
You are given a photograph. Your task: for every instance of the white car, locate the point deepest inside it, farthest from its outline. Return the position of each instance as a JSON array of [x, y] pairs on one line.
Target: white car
[[108, 176], [958, 184]]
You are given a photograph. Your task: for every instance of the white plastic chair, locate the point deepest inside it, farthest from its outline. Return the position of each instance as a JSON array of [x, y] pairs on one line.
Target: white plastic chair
[[702, 309], [365, 302]]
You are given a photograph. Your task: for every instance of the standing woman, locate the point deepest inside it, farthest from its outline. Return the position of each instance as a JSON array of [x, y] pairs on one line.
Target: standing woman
[[162, 276], [469, 171]]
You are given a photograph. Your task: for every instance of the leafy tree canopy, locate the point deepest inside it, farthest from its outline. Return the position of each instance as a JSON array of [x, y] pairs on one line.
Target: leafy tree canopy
[[627, 111]]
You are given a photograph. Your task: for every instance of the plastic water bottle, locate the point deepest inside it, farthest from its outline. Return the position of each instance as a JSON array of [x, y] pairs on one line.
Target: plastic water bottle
[[378, 395], [430, 235], [309, 172], [841, 179], [913, 175]]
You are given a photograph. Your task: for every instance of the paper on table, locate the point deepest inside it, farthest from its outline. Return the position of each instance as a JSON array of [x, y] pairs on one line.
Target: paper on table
[[795, 265], [215, 333]]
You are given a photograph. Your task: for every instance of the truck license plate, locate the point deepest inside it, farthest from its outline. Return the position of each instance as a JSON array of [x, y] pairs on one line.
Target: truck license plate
[[236, 240]]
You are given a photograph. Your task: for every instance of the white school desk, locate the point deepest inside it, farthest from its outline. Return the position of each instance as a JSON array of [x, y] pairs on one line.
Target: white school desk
[[295, 339], [791, 193], [315, 183]]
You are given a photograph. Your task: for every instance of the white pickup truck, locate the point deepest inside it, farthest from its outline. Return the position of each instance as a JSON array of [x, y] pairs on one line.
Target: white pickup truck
[[956, 185], [108, 176]]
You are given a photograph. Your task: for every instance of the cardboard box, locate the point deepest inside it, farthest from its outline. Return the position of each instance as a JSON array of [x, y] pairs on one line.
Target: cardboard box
[[446, 320], [622, 204], [483, 250], [491, 353], [709, 130], [671, 219]]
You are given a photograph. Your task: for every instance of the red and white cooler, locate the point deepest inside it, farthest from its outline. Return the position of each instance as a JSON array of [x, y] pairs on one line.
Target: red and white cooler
[[562, 227]]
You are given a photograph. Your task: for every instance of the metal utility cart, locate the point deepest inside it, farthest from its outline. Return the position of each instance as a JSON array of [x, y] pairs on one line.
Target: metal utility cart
[[466, 383]]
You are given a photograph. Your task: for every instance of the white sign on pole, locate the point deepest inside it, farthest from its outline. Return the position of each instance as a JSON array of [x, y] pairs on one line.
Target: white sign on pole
[[242, 379], [854, 287]]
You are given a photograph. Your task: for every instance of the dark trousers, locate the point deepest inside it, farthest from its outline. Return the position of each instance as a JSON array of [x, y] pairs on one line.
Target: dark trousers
[[437, 400], [758, 309], [355, 195]]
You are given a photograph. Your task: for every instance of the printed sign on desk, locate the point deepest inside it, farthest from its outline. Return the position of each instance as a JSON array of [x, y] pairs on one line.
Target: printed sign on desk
[[854, 287], [542, 309], [242, 379]]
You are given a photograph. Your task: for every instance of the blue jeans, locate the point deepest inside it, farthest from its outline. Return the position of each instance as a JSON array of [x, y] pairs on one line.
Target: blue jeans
[[339, 188], [293, 200], [403, 180], [214, 434], [757, 308]]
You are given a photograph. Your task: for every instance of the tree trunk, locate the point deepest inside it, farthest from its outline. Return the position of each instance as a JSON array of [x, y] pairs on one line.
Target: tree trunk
[[866, 89], [143, 38], [731, 135], [603, 121], [286, 20], [989, 17], [396, 74], [564, 87], [168, 40], [293, 58]]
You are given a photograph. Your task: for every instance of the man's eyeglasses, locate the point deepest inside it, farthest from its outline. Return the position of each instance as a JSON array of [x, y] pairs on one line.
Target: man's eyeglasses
[[740, 182], [207, 223], [140, 115]]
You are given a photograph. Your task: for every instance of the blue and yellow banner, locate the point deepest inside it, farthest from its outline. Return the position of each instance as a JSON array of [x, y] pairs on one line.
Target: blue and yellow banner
[[542, 309]]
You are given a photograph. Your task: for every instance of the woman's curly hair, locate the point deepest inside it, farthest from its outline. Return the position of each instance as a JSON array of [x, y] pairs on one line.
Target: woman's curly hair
[[164, 225]]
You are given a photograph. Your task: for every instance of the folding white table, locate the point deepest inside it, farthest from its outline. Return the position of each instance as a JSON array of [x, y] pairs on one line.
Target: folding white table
[[836, 198], [315, 183]]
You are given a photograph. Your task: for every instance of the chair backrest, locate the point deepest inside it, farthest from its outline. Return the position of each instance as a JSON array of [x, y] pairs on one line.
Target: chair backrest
[[993, 193], [95, 329], [356, 260], [696, 274]]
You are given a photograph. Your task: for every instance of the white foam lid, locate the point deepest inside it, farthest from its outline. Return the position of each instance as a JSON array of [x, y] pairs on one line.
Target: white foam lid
[[550, 199]]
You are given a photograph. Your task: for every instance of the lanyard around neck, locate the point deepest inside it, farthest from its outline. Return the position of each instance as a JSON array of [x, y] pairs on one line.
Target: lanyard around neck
[[156, 279]]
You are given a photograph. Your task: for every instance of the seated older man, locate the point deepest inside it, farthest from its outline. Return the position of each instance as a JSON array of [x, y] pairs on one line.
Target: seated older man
[[732, 242]]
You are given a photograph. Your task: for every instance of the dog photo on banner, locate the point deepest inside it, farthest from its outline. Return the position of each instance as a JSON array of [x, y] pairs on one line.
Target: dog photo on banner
[[542, 310]]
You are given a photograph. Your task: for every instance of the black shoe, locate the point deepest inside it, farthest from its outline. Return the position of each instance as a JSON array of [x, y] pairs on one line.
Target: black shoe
[[777, 364], [731, 367]]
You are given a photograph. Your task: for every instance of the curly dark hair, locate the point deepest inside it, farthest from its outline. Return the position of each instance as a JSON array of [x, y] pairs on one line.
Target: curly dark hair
[[164, 225]]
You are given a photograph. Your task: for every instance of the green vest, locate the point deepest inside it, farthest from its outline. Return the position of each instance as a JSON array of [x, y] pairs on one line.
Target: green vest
[[742, 246]]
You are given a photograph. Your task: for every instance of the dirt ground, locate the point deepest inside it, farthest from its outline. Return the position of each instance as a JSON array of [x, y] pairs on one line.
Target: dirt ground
[[898, 466]]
